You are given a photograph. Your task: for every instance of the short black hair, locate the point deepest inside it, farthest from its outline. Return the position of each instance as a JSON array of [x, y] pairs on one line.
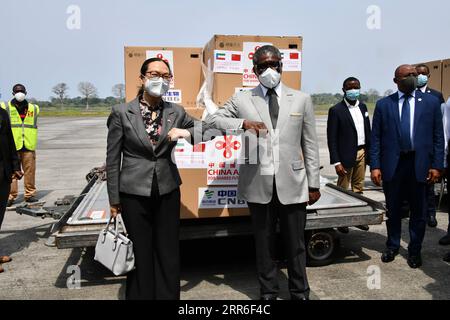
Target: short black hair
[[422, 65], [18, 85], [266, 50], [349, 79]]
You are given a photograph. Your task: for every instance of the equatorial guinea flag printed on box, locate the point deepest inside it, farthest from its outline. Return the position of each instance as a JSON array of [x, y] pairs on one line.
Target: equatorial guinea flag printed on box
[[228, 61]]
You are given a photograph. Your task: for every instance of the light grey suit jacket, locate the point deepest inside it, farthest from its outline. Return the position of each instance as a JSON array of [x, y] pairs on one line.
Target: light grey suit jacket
[[131, 160], [290, 153]]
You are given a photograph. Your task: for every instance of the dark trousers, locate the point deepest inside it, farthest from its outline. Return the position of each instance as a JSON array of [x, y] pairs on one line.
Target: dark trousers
[[5, 187], [153, 226], [405, 186], [292, 219]]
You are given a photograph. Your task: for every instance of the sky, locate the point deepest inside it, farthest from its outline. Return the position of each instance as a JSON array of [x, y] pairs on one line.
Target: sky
[[40, 50]]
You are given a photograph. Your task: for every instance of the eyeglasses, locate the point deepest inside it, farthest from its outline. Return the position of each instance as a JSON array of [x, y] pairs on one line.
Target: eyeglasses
[[269, 64], [153, 75]]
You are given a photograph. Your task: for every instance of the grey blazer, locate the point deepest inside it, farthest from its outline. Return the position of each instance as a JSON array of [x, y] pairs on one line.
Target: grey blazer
[[290, 153], [131, 160]]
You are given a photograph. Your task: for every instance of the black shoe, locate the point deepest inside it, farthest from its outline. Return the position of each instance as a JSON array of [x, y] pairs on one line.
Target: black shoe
[[414, 261], [343, 229], [445, 240], [10, 203], [432, 222], [268, 298], [389, 255], [32, 200], [447, 257], [363, 228]]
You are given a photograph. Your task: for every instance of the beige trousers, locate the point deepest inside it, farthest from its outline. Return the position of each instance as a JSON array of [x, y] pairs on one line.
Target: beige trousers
[[356, 175], [28, 163]]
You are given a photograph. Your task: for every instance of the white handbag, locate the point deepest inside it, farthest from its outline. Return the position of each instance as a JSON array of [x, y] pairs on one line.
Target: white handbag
[[114, 250]]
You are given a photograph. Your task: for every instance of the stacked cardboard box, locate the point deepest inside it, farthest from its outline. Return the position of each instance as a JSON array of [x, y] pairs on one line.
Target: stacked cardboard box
[[446, 79], [227, 59]]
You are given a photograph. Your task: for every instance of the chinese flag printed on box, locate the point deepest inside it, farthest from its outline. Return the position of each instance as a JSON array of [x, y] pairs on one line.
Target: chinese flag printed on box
[[235, 57], [294, 55]]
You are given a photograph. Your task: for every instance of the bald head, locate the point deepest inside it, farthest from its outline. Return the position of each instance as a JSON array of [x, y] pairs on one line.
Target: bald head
[[404, 71]]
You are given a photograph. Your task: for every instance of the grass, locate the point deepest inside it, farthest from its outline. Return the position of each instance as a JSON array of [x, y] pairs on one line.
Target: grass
[[75, 112]]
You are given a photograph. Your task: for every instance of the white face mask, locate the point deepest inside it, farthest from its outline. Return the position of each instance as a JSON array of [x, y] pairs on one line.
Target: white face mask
[[157, 88], [20, 96], [270, 78]]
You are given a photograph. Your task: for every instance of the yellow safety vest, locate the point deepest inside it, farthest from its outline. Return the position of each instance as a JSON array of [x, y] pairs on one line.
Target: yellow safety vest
[[24, 132]]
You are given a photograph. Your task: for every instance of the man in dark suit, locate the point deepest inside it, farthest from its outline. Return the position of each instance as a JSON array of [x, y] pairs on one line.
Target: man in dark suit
[[348, 135], [406, 153], [9, 168], [424, 75]]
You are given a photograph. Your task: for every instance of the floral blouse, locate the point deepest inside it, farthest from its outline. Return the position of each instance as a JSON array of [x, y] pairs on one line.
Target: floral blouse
[[152, 117]]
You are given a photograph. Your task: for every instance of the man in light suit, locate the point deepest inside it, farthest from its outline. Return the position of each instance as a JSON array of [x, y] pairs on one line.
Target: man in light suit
[[285, 176], [407, 154]]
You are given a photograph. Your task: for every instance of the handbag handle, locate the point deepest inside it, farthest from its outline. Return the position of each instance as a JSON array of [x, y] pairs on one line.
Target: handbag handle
[[118, 219]]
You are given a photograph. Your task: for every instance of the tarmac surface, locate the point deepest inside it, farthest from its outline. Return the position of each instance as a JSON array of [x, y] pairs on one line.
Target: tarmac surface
[[222, 269]]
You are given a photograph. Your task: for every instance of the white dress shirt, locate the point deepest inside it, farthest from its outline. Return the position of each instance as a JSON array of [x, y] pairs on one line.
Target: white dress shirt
[[412, 105], [358, 120], [424, 88]]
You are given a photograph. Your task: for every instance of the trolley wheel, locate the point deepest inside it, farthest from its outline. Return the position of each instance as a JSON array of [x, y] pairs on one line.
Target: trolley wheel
[[321, 247]]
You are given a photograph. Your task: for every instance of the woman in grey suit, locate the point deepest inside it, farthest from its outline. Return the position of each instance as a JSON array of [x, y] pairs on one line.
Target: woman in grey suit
[[143, 181]]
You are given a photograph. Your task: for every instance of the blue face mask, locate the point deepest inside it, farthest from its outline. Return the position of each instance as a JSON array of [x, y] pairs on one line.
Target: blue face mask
[[422, 80], [353, 94]]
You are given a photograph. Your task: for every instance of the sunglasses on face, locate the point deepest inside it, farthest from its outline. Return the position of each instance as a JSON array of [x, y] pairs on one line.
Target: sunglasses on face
[[269, 64]]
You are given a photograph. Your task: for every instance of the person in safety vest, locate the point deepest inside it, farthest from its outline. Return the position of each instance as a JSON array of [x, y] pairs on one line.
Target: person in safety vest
[[23, 116]]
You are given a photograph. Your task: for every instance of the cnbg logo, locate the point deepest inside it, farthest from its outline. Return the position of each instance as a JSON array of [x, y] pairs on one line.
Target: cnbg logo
[[209, 194]]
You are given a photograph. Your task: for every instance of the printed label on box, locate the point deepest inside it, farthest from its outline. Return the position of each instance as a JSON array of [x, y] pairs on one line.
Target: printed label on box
[[222, 155], [292, 60], [228, 61], [188, 156], [219, 198], [166, 55], [173, 96], [249, 79]]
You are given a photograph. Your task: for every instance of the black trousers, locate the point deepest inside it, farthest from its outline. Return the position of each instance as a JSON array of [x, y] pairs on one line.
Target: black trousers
[[153, 226], [292, 220], [5, 186], [405, 186]]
